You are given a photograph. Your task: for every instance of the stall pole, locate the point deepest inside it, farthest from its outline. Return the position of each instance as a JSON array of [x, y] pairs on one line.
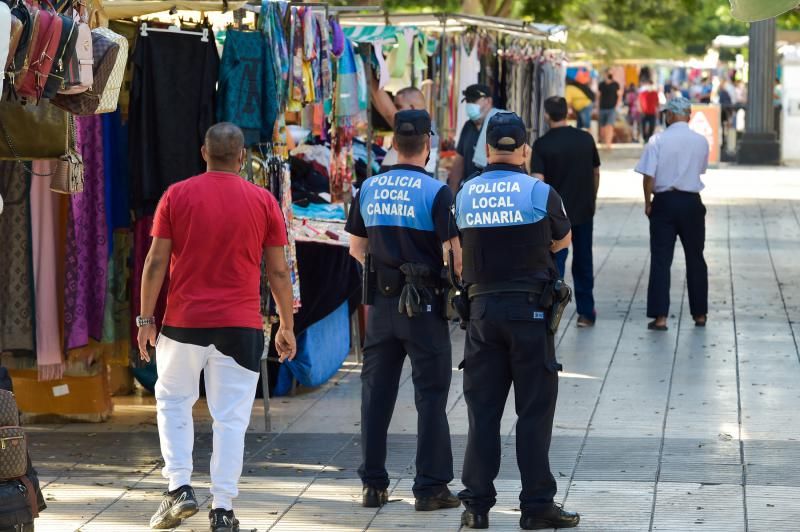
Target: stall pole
[[414, 62], [440, 108], [265, 388], [366, 54]]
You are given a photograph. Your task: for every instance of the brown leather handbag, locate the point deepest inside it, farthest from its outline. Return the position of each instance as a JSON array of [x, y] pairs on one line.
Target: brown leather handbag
[[68, 176], [29, 132], [42, 55]]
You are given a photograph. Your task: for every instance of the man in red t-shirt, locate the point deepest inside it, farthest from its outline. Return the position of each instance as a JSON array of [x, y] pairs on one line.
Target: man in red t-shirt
[[212, 231], [648, 103]]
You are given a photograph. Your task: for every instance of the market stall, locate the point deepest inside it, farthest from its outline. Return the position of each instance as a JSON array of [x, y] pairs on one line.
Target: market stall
[[91, 141]]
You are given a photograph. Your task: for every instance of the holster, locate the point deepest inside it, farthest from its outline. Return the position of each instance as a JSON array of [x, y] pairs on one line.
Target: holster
[[560, 295], [369, 281], [458, 303], [417, 293]]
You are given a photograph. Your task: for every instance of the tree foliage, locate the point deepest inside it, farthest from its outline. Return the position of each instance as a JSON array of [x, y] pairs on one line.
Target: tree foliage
[[687, 26]]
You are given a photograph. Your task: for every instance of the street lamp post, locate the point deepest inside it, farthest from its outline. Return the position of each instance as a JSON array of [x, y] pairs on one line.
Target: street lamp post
[[759, 144]]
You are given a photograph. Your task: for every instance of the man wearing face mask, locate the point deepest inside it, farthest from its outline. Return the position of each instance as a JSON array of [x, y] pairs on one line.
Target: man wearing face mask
[[479, 107]]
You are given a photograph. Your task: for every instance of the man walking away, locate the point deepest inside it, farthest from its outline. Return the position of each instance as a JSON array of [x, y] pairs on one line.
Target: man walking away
[[566, 158], [212, 230], [648, 104], [510, 224], [672, 164], [609, 97], [399, 222]]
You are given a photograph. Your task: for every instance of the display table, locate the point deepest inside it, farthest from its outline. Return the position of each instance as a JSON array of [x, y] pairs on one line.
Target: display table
[[329, 278]]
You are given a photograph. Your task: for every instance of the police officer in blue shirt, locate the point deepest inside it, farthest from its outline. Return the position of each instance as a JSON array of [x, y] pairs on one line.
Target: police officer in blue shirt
[[510, 225], [401, 225]]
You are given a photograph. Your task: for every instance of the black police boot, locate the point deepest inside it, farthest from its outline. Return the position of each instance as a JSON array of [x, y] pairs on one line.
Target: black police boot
[[373, 497], [221, 520], [473, 520], [176, 506], [443, 499], [553, 517]]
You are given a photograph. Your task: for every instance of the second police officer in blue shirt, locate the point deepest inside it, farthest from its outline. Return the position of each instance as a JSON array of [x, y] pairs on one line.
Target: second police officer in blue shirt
[[510, 225], [399, 222]]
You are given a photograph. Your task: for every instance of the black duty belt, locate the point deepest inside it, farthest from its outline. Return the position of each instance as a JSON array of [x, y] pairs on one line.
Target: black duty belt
[[482, 289]]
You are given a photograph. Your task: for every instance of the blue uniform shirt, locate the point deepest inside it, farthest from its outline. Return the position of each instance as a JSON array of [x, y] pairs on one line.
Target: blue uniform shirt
[[507, 221], [405, 213]]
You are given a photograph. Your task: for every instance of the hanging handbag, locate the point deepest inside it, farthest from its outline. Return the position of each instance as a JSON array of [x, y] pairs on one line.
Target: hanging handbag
[[64, 53], [15, 36], [110, 55], [44, 49], [68, 176], [78, 74], [29, 132], [30, 19]]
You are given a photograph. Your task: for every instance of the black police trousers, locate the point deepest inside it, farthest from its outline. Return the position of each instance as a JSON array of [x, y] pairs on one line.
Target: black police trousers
[[426, 340], [508, 342], [677, 214]]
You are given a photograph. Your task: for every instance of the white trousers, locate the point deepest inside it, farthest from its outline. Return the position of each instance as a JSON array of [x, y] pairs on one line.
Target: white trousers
[[230, 391]]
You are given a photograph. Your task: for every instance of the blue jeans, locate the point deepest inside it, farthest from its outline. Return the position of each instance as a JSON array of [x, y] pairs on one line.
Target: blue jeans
[[582, 268], [585, 117]]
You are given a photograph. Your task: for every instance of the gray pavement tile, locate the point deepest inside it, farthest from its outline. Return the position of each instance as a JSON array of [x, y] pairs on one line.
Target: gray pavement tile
[[618, 426]]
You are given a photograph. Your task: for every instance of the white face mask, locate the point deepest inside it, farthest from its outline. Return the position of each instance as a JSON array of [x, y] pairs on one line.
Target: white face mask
[[473, 111]]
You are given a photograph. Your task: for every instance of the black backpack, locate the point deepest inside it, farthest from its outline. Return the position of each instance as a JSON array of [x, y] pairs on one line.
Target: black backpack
[[16, 500]]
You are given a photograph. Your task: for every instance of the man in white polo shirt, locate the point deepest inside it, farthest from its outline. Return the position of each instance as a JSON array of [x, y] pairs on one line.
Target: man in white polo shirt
[[672, 164]]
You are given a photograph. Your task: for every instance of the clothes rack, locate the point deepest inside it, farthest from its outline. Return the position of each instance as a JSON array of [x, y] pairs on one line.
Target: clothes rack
[[145, 29]]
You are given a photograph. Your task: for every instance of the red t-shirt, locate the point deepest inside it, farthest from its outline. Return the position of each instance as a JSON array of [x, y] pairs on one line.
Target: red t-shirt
[[219, 225], [648, 102]]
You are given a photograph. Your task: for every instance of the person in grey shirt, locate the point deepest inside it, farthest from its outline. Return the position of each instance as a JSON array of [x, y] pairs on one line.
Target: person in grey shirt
[[672, 164]]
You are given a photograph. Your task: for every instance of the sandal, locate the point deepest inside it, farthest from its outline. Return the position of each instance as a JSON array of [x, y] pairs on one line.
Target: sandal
[[654, 327]]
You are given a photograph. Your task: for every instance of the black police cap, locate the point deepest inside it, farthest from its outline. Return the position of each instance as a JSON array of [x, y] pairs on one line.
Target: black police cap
[[412, 122], [506, 131], [475, 92]]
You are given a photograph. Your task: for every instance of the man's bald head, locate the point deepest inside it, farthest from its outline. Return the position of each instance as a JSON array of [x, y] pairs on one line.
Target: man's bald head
[[223, 146], [410, 98]]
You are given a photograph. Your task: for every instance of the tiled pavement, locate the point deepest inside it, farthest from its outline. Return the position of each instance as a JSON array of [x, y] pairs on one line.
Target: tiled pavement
[[692, 429]]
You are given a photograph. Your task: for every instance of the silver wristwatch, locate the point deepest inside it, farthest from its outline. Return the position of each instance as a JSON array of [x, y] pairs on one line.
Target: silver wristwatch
[[142, 321]]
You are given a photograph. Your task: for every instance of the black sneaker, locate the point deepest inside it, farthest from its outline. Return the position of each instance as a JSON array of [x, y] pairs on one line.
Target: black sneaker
[[176, 506], [223, 520]]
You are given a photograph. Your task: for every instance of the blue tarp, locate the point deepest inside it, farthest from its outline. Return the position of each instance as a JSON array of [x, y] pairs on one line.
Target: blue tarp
[[321, 350]]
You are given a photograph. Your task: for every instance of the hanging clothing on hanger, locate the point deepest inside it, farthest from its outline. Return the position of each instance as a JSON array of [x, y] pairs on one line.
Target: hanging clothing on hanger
[[16, 266], [49, 352], [87, 245], [172, 107], [245, 93]]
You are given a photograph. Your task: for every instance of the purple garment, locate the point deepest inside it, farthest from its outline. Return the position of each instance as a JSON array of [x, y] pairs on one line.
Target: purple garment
[[87, 242]]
